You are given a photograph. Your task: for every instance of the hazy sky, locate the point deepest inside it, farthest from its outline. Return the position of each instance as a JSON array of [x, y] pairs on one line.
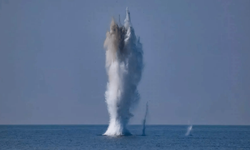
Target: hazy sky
[[196, 52]]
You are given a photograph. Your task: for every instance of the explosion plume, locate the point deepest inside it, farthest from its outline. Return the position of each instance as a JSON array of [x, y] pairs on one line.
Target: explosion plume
[[124, 65]]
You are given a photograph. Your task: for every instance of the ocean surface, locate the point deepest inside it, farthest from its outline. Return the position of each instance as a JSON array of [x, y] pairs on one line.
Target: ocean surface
[[89, 137]]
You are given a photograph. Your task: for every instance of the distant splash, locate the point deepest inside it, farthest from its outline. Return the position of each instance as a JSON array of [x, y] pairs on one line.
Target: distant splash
[[189, 129], [144, 121]]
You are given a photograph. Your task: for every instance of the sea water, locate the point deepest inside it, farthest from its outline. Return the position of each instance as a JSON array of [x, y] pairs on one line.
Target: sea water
[[89, 137]]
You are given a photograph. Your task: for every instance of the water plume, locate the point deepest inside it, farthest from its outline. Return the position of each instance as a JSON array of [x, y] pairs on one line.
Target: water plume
[[124, 65], [189, 129], [144, 121]]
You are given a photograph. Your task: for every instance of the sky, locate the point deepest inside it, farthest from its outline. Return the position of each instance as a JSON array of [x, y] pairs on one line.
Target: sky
[[196, 56]]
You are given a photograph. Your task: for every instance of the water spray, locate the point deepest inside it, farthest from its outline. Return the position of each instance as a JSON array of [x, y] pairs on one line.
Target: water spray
[[189, 129], [144, 121], [124, 65]]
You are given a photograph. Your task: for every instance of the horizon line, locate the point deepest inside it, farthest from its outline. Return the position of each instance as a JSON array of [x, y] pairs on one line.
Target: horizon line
[[128, 125]]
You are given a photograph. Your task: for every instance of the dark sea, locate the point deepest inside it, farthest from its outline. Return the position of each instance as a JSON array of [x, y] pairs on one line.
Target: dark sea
[[89, 137]]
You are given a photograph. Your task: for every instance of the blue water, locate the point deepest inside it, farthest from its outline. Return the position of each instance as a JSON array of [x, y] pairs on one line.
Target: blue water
[[88, 137]]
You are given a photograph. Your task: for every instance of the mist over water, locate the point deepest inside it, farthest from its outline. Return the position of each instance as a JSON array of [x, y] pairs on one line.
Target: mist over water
[[124, 65]]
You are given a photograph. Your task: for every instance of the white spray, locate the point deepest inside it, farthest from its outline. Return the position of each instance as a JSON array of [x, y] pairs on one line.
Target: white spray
[[189, 129], [124, 64]]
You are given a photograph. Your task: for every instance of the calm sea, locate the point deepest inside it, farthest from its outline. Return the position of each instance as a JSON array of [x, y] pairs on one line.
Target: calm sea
[[88, 137]]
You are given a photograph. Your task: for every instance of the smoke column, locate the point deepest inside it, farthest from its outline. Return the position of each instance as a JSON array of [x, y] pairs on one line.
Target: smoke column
[[124, 64], [144, 121]]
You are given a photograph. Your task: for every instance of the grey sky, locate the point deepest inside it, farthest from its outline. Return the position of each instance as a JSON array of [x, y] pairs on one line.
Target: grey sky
[[196, 56]]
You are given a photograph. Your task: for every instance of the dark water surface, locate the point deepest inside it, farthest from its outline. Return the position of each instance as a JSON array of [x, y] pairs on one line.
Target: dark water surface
[[88, 137]]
